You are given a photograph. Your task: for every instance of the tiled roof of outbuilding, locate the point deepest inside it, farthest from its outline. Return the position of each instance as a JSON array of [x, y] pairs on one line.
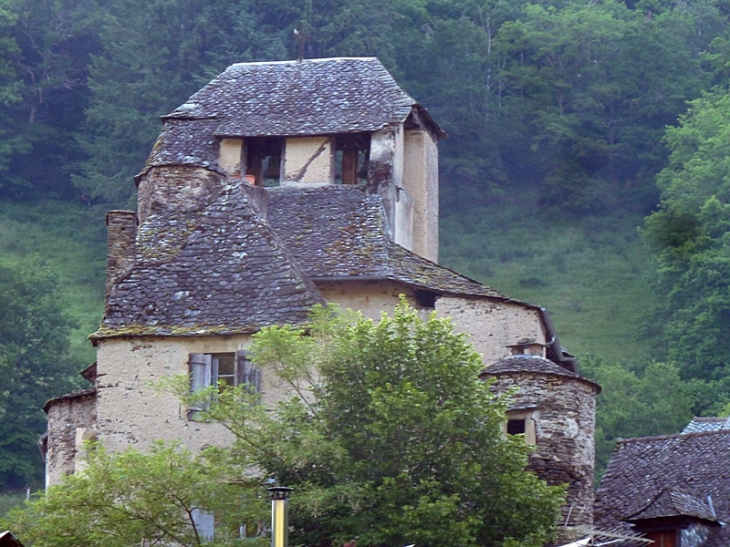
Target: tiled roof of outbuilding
[[221, 270], [340, 232], [671, 503], [695, 465], [702, 423], [285, 98]]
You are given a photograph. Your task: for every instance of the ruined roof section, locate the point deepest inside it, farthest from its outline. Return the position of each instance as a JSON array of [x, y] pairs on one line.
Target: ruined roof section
[[702, 424], [220, 270], [287, 98], [697, 465], [340, 232]]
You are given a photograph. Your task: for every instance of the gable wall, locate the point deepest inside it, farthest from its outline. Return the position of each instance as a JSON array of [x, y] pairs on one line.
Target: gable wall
[[369, 297], [492, 325]]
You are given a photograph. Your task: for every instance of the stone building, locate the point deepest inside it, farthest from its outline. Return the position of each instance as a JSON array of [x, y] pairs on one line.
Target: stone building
[[275, 187]]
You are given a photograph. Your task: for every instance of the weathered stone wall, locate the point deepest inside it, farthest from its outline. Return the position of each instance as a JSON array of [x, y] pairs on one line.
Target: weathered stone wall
[[176, 188], [308, 161], [564, 411], [420, 179], [65, 416], [492, 325], [132, 411], [385, 168]]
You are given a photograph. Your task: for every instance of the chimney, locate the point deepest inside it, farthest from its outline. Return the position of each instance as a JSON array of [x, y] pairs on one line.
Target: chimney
[[121, 236]]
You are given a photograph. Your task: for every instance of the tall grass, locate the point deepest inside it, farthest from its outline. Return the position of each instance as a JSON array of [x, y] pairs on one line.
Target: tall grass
[[592, 274], [68, 240]]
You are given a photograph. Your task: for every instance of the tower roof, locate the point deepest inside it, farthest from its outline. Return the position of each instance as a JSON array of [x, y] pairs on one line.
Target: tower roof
[[285, 98]]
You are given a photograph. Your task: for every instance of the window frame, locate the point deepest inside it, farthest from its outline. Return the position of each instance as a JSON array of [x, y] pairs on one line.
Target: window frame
[[204, 372]]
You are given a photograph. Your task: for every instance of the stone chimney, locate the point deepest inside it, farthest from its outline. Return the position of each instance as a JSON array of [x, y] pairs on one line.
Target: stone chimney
[[121, 236]]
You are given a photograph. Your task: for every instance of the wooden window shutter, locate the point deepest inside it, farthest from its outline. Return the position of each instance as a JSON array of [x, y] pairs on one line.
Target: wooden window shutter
[[246, 372], [199, 365]]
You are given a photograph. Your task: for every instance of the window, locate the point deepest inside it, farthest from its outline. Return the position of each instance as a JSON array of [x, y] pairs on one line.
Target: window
[[221, 369], [522, 422], [516, 427], [261, 158], [663, 538]]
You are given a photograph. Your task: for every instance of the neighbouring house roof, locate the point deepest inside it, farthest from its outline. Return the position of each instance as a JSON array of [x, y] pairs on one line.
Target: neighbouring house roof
[[700, 424], [340, 232], [671, 502], [668, 476], [533, 364], [286, 98], [7, 539], [219, 270]]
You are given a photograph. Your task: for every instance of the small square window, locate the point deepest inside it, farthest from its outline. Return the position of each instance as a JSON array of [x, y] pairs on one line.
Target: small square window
[[221, 369], [516, 427]]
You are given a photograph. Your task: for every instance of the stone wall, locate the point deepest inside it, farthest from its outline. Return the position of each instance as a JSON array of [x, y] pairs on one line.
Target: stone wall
[[563, 409], [492, 325], [66, 416]]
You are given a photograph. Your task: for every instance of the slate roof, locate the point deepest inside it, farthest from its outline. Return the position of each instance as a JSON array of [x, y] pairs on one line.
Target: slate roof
[[699, 424], [672, 474], [286, 98], [340, 232], [221, 270], [533, 364], [672, 503], [69, 397]]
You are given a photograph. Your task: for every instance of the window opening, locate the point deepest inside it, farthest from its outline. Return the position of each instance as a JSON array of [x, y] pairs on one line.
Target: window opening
[[221, 370], [516, 427], [263, 160], [351, 158]]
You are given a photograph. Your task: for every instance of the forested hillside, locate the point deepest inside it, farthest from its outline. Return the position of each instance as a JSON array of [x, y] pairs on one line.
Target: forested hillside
[[557, 114]]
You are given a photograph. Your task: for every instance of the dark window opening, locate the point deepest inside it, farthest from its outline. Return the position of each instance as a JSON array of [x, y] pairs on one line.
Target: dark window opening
[[351, 158], [263, 160], [425, 299], [516, 427]]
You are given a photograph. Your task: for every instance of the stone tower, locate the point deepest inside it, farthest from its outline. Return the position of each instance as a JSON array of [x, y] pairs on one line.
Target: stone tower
[[554, 408]]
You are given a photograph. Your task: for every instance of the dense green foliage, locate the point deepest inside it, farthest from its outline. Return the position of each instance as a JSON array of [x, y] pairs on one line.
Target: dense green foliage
[[34, 364], [389, 436]]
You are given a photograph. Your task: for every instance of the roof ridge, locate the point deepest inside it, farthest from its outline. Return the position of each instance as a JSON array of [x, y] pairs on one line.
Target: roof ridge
[[673, 436]]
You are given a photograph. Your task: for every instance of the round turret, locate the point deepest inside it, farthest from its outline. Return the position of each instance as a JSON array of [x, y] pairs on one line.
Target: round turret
[[555, 409]]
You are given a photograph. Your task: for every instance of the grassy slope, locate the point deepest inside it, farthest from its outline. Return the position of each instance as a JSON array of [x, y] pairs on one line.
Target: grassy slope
[[591, 274], [69, 241]]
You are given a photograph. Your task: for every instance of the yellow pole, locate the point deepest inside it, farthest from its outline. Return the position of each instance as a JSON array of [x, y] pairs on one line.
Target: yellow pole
[[280, 516]]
